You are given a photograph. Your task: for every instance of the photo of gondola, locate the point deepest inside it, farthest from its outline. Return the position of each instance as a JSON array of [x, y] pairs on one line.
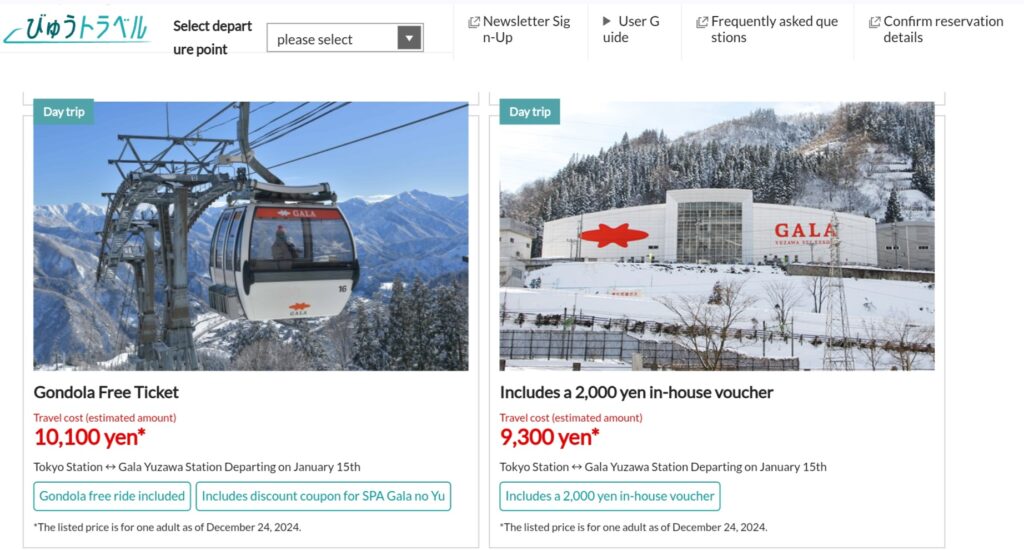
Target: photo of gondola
[[253, 236]]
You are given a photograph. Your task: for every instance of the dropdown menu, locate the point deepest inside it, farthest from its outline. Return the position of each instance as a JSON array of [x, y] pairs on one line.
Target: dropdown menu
[[345, 37]]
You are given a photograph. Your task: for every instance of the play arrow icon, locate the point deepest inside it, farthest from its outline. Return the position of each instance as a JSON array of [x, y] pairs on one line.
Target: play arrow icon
[[605, 20]]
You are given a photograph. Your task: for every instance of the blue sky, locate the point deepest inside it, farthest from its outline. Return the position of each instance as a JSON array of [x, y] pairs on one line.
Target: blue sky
[[588, 125], [71, 161]]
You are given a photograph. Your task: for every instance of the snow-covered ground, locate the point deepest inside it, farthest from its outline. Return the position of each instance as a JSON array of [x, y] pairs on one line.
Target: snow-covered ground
[[118, 362], [598, 288]]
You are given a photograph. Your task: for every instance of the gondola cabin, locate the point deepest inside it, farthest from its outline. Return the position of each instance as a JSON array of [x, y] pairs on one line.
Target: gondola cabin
[[282, 261]]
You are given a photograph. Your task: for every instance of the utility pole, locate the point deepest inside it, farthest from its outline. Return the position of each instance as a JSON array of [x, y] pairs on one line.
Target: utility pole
[[906, 241], [837, 321], [895, 246], [579, 238], [792, 336]]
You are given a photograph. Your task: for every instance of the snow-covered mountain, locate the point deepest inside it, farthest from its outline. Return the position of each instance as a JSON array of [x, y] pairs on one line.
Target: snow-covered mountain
[[74, 316], [849, 160], [763, 127], [411, 234]]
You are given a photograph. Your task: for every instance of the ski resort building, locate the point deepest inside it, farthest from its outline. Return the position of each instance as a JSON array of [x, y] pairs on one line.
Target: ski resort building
[[516, 242], [907, 245], [710, 226]]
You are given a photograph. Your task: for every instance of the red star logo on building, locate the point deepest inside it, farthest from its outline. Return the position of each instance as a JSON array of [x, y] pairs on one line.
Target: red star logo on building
[[621, 235]]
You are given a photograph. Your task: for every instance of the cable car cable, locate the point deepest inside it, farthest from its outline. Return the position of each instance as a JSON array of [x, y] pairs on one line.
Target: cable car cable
[[234, 118], [207, 121], [291, 123], [299, 122], [325, 113], [285, 127], [364, 138], [306, 118], [279, 117]]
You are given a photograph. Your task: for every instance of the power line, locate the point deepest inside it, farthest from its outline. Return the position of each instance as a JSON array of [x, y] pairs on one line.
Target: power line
[[364, 138]]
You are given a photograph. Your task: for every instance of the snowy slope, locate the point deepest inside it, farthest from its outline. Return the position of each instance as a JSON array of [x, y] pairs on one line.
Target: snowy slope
[[587, 288]]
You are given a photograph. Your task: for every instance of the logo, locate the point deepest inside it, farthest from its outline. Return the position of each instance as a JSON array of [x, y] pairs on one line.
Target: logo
[[279, 212], [306, 213], [299, 306], [79, 28], [621, 235], [782, 230], [803, 234]]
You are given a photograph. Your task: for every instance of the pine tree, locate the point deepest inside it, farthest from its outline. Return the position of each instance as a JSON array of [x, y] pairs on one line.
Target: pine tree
[[452, 322], [923, 177], [379, 321], [397, 339], [420, 323], [366, 352], [893, 211], [251, 333], [309, 348]]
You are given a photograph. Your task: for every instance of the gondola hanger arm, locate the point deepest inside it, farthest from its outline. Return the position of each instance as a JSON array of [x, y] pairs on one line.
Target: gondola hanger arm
[[247, 155]]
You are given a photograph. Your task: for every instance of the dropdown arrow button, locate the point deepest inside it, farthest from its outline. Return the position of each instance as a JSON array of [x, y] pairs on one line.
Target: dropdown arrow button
[[410, 37]]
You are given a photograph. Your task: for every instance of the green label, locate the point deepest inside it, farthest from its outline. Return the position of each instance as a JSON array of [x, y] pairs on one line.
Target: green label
[[62, 111], [531, 111]]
